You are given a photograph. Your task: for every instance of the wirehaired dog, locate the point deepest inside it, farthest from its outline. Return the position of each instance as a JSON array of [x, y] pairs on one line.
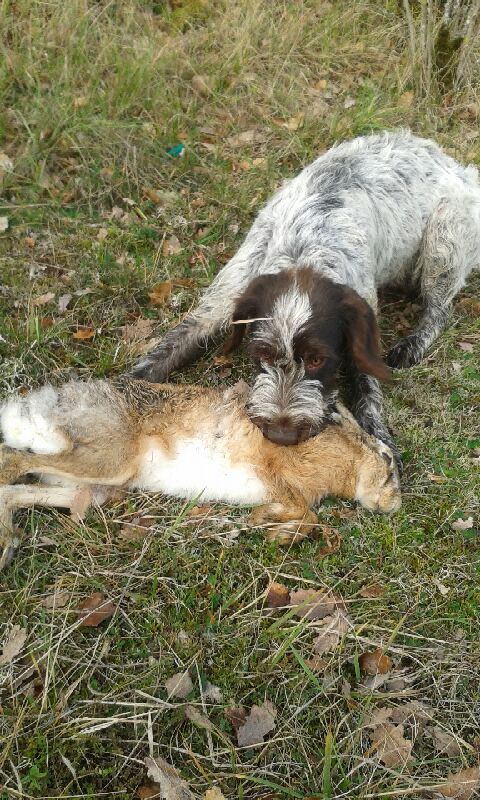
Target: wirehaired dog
[[184, 441], [389, 209]]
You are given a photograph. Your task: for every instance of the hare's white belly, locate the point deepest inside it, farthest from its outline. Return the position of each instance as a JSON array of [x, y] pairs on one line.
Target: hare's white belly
[[200, 467]]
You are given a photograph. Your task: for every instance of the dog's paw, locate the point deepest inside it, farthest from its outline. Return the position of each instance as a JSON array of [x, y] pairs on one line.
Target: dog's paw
[[404, 354], [281, 525]]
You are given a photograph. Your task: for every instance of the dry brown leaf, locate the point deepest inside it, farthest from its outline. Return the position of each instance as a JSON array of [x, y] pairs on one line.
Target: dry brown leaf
[[80, 101], [43, 299], [321, 85], [252, 136], [416, 713], [46, 322], [171, 246], [83, 333], [29, 241], [171, 784], [333, 629], [200, 511], [136, 530], [94, 610], [148, 790], [179, 685], [13, 645], [463, 524], [56, 600], [467, 347], [81, 503], [444, 743], [222, 361], [202, 84], [437, 478], [314, 604], [3, 224], [63, 302], [236, 716], [278, 595], [316, 663], [390, 745], [292, 124], [406, 100], [140, 330], [372, 590], [214, 794], [160, 293], [375, 663], [259, 722], [333, 542], [461, 785], [470, 305], [349, 102], [198, 718]]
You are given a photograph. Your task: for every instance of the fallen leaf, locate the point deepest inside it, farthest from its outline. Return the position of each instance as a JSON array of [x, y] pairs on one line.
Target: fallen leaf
[[198, 718], [81, 503], [94, 610], [212, 693], [136, 530], [252, 136], [406, 100], [461, 785], [83, 333], [333, 628], [171, 246], [222, 361], [414, 712], [3, 224], [444, 590], [380, 716], [349, 102], [202, 84], [171, 784], [161, 197], [63, 302], [106, 172], [29, 241], [102, 234], [436, 478], [333, 542], [13, 645], [179, 685], [467, 347], [292, 124], [6, 164], [80, 101], [278, 595], [56, 600], [316, 664], [140, 330], [46, 322], [375, 662], [314, 604], [236, 716], [259, 722], [160, 293], [372, 590], [470, 305], [444, 743], [43, 299], [199, 511], [321, 85], [214, 794], [148, 790], [463, 524], [390, 745]]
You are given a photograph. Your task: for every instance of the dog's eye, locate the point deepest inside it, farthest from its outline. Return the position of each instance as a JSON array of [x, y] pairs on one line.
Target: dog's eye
[[314, 362]]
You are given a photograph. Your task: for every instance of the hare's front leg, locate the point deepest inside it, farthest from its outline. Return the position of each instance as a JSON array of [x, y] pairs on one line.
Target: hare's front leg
[[288, 522]]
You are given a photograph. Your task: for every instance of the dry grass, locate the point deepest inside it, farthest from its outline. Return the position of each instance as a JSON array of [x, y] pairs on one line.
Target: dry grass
[[92, 94]]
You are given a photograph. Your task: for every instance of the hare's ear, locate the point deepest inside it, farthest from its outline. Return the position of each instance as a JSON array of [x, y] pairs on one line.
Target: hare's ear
[[245, 309]]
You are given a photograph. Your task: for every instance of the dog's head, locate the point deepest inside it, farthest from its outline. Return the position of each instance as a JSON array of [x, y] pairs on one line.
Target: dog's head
[[301, 328]]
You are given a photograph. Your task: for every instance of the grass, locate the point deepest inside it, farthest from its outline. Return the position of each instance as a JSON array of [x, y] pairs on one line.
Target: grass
[[92, 96]]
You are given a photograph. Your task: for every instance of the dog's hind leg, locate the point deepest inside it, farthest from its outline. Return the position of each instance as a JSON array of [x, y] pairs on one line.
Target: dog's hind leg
[[189, 338], [450, 250]]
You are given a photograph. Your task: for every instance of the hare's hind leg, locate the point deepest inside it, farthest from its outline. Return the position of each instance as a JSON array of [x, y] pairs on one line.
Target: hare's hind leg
[[287, 523], [13, 498]]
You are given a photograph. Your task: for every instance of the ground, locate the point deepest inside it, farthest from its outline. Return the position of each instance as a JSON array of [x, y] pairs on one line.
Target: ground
[[103, 205]]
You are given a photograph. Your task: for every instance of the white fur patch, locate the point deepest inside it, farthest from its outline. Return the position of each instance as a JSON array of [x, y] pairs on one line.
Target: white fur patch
[[291, 313], [200, 467], [27, 423]]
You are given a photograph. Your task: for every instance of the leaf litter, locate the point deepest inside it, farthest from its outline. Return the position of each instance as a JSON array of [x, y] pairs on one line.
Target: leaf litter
[[171, 786], [258, 722], [13, 645], [179, 685], [94, 610]]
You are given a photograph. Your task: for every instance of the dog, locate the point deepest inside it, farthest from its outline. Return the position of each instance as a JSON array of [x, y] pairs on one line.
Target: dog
[[184, 441], [381, 210]]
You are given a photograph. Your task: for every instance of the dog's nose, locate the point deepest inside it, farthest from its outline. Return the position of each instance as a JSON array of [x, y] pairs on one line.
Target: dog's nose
[[284, 434]]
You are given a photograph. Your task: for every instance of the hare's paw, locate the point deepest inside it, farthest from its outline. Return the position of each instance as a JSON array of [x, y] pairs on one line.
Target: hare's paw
[[285, 525]]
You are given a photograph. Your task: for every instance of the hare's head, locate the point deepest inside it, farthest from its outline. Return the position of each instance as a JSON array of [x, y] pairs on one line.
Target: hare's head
[[378, 484]]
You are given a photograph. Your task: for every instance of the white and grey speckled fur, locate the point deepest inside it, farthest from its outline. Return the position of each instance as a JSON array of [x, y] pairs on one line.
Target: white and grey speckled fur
[[379, 210]]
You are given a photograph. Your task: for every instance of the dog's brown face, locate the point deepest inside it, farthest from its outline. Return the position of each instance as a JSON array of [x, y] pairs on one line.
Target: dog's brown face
[[304, 326]]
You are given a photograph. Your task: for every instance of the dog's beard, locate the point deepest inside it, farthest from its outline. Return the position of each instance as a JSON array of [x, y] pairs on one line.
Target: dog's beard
[[285, 396]]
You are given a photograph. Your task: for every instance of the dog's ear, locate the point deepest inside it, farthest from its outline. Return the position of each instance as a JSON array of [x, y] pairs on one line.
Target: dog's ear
[[245, 308], [363, 336]]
